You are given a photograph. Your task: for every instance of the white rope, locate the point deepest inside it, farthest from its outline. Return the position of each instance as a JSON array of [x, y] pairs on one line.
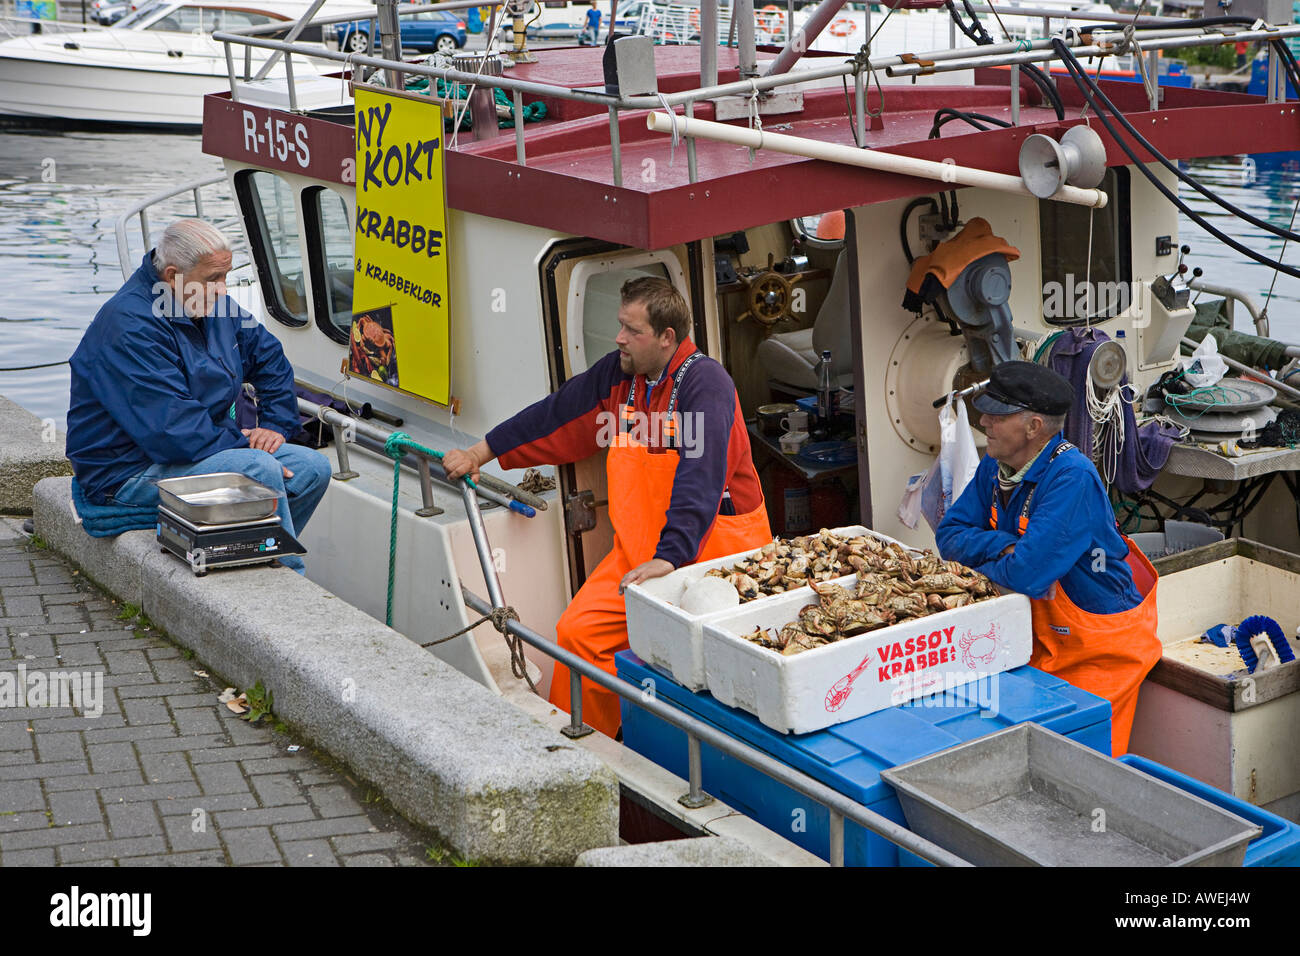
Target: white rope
[[672, 116], [1107, 414]]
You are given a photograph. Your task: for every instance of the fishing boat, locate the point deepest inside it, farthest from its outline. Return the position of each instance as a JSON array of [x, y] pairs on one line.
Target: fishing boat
[[725, 174], [151, 68]]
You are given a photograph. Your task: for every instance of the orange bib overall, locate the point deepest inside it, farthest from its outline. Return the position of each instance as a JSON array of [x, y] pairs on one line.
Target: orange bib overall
[[594, 626], [1105, 654]]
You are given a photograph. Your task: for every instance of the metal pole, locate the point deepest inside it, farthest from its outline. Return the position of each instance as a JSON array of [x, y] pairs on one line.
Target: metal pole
[[517, 111], [345, 472], [837, 839], [428, 509], [708, 42], [1015, 94], [860, 107], [290, 37], [615, 151], [867, 158], [695, 797], [576, 727], [809, 32], [390, 39], [1152, 79], [293, 88], [692, 170], [743, 18], [482, 546], [230, 69], [795, 780], [248, 63]]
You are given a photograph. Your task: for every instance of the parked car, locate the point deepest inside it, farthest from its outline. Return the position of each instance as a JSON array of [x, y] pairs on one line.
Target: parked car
[[437, 30], [108, 12], [570, 21]]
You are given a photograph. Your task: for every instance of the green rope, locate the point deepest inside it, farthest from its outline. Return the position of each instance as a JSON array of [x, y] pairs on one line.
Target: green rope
[[1196, 399], [532, 112], [396, 447]]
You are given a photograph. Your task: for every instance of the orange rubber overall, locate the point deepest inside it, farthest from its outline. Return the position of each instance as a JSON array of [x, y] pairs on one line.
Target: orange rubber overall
[[594, 626], [1105, 654]]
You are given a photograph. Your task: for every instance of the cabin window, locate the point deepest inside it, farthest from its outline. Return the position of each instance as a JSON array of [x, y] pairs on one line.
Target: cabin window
[[594, 300], [1075, 290], [180, 20], [825, 230], [329, 241], [271, 220], [219, 18]]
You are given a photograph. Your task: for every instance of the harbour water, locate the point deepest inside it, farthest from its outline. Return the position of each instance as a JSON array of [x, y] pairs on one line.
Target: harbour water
[[60, 193]]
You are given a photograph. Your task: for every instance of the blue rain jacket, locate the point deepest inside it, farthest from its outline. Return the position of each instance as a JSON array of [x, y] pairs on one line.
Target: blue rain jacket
[[149, 388], [1071, 536]]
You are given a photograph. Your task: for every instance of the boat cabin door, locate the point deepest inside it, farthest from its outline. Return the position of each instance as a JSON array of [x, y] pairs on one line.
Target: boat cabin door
[[581, 279]]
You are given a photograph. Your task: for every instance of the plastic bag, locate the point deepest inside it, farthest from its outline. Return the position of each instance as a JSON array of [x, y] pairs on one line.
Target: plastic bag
[[1204, 367], [932, 492], [957, 453]]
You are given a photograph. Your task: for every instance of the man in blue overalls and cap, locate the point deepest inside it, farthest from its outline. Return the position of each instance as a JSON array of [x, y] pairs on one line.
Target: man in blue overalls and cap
[[1036, 519], [156, 376]]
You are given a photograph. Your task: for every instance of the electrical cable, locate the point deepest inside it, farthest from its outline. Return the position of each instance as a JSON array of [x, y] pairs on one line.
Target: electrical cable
[[981, 37], [1086, 85], [948, 114], [28, 368], [1185, 177], [916, 203]]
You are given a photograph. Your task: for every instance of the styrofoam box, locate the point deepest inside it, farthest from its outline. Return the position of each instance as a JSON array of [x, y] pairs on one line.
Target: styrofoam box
[[859, 675], [662, 634]]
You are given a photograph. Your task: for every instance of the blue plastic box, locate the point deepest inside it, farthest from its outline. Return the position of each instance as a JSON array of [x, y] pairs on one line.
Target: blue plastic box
[[848, 757], [1278, 845]]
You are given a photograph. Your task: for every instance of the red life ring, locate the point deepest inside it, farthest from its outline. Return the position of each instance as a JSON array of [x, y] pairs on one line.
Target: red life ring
[[842, 27], [771, 20], [695, 20]]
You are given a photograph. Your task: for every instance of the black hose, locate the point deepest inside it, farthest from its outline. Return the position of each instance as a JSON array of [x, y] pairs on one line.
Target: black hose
[[1086, 86], [1182, 176], [902, 224], [979, 36], [948, 114]]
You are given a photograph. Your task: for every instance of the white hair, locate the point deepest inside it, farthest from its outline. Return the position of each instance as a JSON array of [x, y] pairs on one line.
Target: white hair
[[186, 242], [1051, 423]]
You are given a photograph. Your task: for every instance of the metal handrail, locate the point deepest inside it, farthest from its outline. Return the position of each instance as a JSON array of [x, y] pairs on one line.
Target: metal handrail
[[841, 807], [140, 208], [430, 469]]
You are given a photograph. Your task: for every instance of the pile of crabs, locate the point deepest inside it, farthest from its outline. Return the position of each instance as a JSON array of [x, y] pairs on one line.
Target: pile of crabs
[[894, 584]]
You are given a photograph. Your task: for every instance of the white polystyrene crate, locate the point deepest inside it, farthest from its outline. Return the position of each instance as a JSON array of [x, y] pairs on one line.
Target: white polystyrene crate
[[661, 633], [844, 680]]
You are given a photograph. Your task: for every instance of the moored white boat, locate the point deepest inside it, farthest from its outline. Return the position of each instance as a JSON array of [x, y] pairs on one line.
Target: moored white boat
[[151, 68]]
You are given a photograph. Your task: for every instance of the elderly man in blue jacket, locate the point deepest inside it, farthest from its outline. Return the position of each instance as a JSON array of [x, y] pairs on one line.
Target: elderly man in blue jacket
[[154, 383]]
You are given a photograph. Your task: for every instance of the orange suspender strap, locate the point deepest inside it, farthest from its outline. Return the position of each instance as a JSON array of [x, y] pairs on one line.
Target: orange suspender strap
[[1029, 498]]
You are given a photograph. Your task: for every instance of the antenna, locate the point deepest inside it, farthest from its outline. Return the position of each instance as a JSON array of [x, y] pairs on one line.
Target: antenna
[[1079, 159]]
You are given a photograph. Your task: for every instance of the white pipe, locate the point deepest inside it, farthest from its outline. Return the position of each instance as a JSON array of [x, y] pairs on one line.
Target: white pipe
[[949, 173]]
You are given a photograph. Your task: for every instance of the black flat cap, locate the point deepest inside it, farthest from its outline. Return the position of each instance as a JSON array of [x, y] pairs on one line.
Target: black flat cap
[[1024, 386]]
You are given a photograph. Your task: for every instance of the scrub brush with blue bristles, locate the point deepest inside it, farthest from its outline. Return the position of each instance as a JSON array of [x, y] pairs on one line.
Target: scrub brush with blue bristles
[[1255, 626]]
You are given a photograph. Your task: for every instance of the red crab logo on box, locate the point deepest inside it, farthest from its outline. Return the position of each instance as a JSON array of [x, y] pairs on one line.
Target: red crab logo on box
[[897, 659], [979, 650]]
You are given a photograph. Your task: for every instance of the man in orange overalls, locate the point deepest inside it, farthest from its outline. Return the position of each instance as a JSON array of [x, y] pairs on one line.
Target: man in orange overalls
[[682, 485], [1036, 519]]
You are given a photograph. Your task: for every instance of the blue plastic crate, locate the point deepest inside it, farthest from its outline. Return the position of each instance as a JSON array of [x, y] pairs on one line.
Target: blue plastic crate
[[1278, 845], [848, 757]]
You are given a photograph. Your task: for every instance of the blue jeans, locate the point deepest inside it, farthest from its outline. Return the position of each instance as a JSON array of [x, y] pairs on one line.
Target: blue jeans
[[299, 495]]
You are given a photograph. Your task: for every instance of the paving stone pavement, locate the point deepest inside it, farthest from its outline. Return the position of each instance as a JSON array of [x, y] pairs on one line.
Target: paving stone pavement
[[165, 775]]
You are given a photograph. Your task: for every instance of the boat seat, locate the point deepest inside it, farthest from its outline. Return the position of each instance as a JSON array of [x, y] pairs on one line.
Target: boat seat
[[792, 357]]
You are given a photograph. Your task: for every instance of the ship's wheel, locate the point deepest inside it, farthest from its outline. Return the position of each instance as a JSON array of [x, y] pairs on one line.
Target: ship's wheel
[[769, 296]]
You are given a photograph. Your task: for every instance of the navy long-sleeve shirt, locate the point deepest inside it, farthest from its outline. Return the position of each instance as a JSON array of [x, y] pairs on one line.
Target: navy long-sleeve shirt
[[152, 388], [714, 455], [1071, 536]]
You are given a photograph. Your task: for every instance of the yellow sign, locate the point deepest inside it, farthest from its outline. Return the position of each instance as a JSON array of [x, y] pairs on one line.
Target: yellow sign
[[400, 293]]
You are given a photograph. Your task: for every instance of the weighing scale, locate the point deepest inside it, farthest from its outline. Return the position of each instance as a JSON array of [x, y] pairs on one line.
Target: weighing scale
[[209, 546]]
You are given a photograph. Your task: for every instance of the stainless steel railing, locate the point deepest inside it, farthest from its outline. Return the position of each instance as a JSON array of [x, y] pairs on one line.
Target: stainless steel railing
[[229, 223]]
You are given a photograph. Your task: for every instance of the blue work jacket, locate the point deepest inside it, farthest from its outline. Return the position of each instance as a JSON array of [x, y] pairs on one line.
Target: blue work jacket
[[149, 387], [1070, 537]]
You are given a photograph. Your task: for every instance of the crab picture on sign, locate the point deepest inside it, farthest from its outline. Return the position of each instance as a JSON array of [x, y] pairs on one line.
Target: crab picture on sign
[[979, 650], [372, 350]]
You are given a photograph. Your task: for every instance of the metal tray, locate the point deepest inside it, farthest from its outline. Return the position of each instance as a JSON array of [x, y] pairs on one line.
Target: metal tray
[[1026, 796], [226, 497]]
